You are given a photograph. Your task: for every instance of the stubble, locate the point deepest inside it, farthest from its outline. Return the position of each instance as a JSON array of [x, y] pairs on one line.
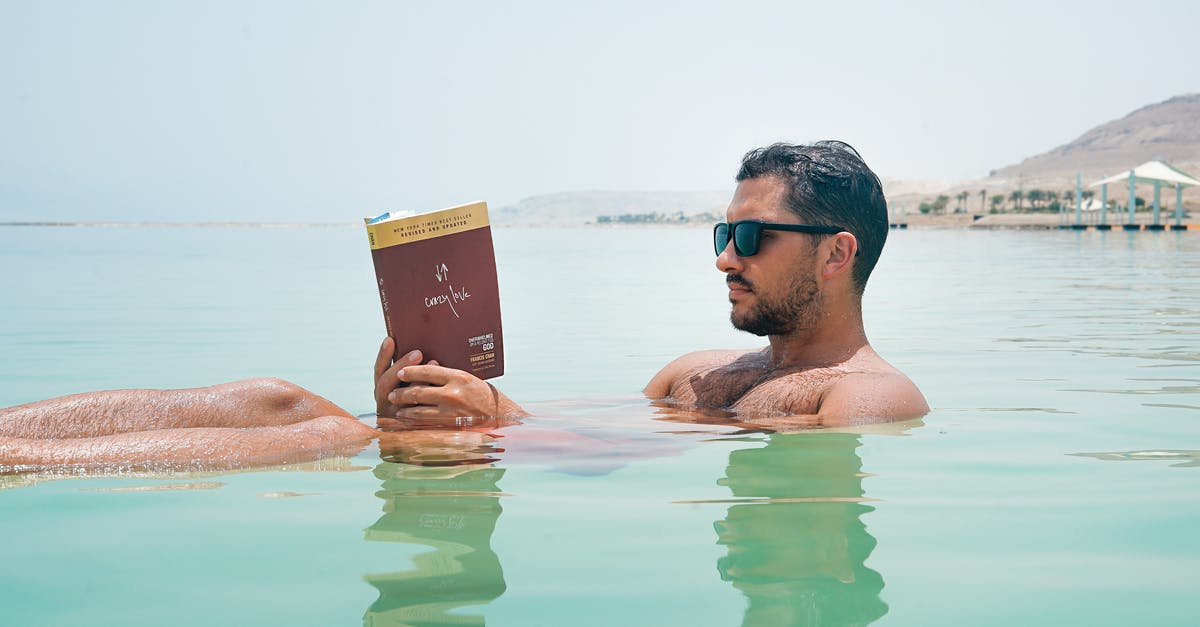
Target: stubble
[[797, 308]]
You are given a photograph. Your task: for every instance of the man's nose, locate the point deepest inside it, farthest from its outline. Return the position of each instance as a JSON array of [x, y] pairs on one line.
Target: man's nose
[[728, 261]]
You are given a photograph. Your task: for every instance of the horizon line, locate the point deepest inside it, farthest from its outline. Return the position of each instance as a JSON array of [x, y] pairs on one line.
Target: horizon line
[[169, 224]]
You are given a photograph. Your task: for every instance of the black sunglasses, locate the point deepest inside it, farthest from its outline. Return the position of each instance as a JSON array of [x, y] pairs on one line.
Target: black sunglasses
[[747, 233]]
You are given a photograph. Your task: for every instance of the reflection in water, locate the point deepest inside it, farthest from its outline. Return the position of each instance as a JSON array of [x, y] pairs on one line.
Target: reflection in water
[[796, 544], [453, 510], [1185, 458], [797, 550], [9, 480]]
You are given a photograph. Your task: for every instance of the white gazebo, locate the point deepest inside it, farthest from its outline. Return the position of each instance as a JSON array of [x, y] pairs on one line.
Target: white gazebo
[[1156, 173]]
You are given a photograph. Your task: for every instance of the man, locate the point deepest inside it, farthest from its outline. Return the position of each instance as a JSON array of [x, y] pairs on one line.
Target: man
[[803, 233], [805, 228]]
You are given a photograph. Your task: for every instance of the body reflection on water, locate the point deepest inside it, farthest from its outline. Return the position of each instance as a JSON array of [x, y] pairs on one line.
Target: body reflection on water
[[796, 543], [452, 509], [797, 550]]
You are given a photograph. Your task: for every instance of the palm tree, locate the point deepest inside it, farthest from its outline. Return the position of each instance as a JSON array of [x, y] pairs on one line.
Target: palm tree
[[1035, 196], [1016, 196], [997, 201], [983, 201], [939, 204]]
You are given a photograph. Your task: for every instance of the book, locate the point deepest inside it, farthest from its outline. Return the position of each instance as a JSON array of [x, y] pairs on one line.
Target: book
[[436, 274]]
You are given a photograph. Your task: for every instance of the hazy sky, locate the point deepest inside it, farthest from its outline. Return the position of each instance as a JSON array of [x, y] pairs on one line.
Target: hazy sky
[[331, 110]]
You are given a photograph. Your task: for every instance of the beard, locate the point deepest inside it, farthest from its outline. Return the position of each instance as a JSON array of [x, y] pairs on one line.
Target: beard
[[798, 308]]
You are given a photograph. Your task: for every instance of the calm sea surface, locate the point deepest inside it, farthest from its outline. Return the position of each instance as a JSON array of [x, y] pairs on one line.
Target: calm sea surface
[[1056, 481]]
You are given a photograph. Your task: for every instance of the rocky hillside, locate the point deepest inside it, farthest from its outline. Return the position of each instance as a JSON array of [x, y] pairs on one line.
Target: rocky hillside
[[1168, 130]]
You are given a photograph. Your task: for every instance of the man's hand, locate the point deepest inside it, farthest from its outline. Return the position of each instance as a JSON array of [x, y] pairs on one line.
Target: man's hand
[[385, 375], [410, 391], [438, 392]]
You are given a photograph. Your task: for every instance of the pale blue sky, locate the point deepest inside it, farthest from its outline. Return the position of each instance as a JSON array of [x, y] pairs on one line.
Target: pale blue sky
[[327, 111]]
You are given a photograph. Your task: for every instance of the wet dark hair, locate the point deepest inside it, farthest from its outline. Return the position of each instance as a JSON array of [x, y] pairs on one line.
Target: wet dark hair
[[828, 184]]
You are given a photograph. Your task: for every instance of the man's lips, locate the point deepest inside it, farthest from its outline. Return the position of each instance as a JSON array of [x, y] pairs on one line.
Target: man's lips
[[738, 286]]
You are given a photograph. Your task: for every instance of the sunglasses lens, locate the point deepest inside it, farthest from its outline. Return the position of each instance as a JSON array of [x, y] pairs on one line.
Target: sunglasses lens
[[720, 237], [745, 238]]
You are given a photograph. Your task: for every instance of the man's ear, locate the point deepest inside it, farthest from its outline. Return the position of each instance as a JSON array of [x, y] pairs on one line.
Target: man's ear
[[839, 254]]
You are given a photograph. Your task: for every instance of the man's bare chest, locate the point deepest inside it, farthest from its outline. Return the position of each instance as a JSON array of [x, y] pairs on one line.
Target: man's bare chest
[[756, 390]]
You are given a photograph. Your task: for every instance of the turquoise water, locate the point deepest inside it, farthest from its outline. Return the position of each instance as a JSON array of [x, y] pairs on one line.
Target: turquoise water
[[1054, 482]]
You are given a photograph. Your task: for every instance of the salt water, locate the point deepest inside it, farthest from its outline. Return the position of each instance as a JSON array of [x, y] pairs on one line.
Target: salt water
[[1054, 482]]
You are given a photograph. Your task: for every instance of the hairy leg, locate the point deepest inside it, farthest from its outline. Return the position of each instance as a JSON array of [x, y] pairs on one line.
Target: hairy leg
[[202, 447], [248, 403]]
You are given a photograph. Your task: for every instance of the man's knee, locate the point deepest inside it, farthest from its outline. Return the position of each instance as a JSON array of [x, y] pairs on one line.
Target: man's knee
[[278, 396], [272, 391]]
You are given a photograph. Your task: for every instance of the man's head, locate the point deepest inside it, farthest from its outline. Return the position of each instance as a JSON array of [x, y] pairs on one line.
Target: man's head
[[828, 184], [772, 275]]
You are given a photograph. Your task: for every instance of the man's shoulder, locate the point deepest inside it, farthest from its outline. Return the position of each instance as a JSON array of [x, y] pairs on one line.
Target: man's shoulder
[[872, 395], [716, 356], [688, 363], [713, 358]]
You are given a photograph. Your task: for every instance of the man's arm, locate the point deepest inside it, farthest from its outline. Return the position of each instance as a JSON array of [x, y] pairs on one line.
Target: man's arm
[[660, 385]]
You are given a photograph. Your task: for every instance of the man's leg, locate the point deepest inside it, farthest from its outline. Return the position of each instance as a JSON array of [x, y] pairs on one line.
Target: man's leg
[[249, 403], [250, 422], [197, 447]]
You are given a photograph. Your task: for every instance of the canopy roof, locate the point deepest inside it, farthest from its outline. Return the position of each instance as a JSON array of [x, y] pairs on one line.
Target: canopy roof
[[1150, 172]]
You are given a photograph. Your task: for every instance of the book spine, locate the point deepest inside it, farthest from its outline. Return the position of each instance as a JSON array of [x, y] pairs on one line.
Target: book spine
[[383, 296]]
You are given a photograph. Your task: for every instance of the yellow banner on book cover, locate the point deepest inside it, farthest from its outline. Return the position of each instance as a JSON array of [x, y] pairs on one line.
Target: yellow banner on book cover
[[427, 225]]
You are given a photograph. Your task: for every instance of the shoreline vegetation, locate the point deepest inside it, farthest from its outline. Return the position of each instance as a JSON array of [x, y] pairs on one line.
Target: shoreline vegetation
[[1052, 217], [1116, 218]]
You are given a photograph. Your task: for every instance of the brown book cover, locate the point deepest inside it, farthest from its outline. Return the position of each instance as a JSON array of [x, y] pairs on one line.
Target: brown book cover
[[436, 274]]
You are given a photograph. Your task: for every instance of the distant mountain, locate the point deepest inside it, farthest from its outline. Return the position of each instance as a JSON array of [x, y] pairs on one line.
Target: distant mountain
[[1169, 131], [573, 208], [584, 207]]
